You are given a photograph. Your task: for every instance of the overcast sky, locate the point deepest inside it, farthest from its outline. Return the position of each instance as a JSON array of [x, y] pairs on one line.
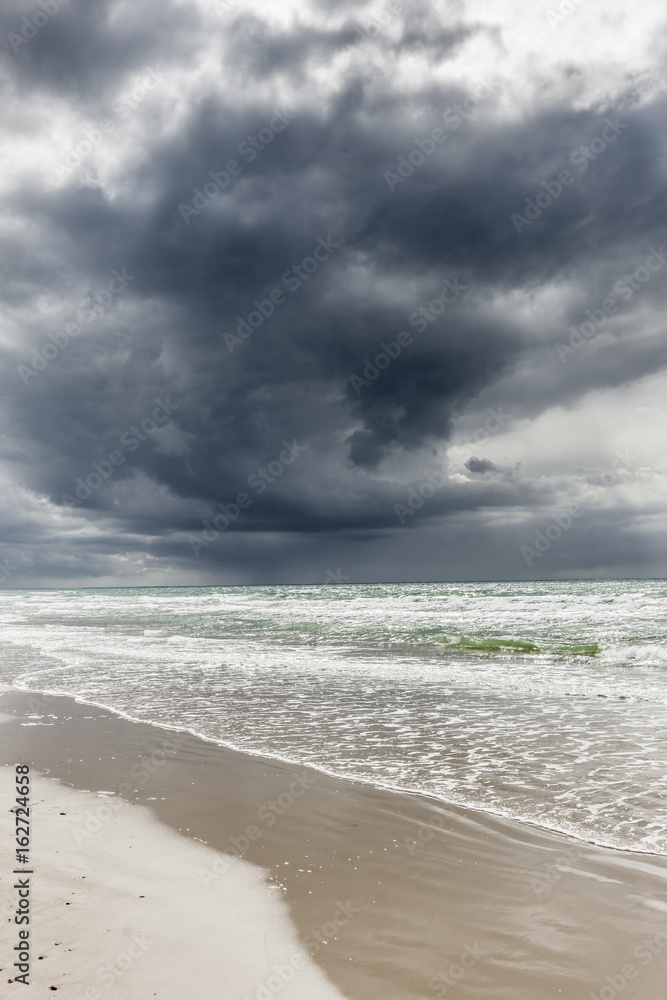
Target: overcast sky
[[213, 217]]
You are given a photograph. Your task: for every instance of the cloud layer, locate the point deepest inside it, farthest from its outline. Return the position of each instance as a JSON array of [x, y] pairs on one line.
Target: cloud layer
[[344, 263]]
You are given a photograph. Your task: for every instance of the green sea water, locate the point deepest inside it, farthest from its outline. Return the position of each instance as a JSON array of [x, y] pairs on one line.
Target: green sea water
[[546, 702]]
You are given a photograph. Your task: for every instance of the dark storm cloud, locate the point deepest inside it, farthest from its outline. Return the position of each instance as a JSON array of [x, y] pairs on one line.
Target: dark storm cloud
[[482, 465], [87, 46], [259, 52], [406, 234]]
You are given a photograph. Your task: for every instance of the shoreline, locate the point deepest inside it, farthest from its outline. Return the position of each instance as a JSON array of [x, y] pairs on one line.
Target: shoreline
[[436, 800], [136, 898], [388, 890]]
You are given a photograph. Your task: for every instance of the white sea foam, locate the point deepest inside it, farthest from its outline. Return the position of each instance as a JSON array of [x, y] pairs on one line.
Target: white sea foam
[[372, 682]]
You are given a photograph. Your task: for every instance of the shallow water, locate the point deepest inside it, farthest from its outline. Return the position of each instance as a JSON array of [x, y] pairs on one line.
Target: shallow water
[[487, 695]]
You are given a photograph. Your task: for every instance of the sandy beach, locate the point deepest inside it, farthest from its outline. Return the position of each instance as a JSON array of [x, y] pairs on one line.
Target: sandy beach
[[333, 500], [165, 865]]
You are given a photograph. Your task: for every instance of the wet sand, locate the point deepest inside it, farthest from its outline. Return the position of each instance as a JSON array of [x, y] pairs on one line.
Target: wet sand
[[126, 913], [393, 896]]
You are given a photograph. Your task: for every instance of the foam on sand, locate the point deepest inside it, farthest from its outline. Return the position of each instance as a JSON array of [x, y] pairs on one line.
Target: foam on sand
[[125, 908], [394, 896]]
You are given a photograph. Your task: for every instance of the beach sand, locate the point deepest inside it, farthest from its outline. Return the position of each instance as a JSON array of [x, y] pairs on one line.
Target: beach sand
[[263, 879]]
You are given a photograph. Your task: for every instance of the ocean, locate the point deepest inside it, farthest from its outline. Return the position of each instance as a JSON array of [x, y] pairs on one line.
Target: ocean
[[543, 702]]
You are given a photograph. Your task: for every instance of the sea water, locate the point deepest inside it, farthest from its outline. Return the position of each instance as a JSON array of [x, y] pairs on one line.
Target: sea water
[[544, 702]]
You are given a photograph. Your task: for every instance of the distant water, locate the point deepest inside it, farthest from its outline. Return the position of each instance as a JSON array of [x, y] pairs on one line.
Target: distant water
[[486, 695]]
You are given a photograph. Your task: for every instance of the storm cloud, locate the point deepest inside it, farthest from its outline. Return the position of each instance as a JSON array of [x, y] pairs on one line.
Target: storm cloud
[[266, 273]]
